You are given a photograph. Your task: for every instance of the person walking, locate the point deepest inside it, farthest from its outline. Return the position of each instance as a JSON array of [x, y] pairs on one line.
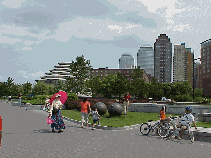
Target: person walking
[[85, 106], [20, 95], [96, 117], [47, 100], [9, 98], [126, 103], [56, 115]]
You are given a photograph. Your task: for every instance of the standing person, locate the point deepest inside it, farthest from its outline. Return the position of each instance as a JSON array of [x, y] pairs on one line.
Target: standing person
[[47, 100], [85, 105], [126, 103], [20, 95], [96, 117], [56, 115], [9, 98]]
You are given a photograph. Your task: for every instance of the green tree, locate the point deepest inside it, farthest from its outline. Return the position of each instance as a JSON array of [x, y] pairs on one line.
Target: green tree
[[10, 84], [3, 89], [50, 89], [27, 88], [94, 83], [59, 85], [198, 92], [69, 85], [81, 72], [155, 89], [167, 89], [107, 86], [40, 88], [137, 84], [120, 86]]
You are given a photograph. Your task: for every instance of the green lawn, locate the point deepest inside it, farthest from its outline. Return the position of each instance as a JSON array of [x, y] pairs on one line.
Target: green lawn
[[131, 118]]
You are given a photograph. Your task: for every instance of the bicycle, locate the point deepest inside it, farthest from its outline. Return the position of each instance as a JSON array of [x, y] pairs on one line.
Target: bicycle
[[149, 127], [175, 131]]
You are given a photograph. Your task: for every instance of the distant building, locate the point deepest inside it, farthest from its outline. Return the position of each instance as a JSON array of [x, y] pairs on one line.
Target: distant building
[[206, 67], [59, 73], [102, 72], [126, 61], [182, 64], [197, 75], [163, 59], [145, 59]]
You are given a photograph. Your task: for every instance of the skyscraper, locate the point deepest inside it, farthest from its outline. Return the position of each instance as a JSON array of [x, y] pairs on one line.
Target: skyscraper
[[182, 64], [163, 59], [145, 59], [206, 67], [126, 61]]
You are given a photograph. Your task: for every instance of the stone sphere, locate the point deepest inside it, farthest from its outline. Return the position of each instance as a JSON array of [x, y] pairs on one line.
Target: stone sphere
[[101, 108], [115, 109]]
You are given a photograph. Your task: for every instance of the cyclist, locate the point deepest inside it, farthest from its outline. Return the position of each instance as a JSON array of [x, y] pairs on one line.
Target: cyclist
[[186, 121]]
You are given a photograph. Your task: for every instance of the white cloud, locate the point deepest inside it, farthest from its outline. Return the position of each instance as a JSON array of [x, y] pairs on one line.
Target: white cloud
[[38, 74], [115, 27], [5, 39], [23, 74], [12, 3], [27, 48]]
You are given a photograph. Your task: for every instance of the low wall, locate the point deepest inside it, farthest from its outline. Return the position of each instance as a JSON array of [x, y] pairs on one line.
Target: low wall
[[171, 109]]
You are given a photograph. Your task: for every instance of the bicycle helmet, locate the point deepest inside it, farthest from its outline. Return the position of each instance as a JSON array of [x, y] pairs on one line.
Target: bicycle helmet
[[188, 109]]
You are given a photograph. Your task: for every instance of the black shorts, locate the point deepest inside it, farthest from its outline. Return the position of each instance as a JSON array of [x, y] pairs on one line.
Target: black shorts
[[95, 120]]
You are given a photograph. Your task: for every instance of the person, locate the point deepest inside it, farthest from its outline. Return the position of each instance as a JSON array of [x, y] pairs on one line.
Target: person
[[85, 105], [186, 121], [47, 100], [96, 118], [20, 95], [126, 99], [56, 115], [9, 98], [163, 115]]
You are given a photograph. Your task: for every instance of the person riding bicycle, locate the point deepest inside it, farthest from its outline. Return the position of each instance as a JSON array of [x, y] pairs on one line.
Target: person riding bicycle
[[186, 121]]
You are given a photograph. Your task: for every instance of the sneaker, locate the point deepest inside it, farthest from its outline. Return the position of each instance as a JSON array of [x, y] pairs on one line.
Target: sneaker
[[92, 128], [53, 130], [178, 137]]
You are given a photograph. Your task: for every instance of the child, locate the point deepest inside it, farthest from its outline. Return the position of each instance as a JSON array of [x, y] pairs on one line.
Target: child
[[96, 117], [163, 115]]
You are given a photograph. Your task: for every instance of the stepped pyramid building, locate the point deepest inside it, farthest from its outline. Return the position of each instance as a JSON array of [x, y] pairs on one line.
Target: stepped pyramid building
[[60, 73]]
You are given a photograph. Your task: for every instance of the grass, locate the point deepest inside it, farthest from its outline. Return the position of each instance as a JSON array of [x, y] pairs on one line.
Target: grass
[[131, 118], [203, 124]]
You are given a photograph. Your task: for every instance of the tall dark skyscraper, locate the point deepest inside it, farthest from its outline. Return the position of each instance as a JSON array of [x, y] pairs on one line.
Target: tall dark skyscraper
[[163, 59]]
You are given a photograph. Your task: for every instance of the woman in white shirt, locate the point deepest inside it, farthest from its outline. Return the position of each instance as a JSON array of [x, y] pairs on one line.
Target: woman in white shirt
[[56, 115]]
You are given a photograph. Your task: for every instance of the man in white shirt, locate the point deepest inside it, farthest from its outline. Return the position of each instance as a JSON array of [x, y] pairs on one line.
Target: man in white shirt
[[186, 121]]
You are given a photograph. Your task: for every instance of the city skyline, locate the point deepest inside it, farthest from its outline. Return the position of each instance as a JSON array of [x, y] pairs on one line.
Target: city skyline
[[36, 35]]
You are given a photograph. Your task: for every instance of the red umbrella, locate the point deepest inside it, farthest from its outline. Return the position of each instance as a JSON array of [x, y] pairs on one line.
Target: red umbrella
[[63, 97]]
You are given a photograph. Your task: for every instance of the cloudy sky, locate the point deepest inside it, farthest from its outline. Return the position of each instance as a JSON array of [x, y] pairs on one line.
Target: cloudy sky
[[37, 34]]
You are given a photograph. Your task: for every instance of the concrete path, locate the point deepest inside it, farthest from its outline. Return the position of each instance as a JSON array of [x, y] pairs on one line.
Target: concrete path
[[26, 134]]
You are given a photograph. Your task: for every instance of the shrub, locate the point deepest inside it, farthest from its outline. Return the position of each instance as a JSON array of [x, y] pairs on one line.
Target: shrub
[[183, 98]]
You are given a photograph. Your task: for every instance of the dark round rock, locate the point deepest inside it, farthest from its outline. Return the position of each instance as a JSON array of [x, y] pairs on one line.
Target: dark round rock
[[101, 108], [115, 109]]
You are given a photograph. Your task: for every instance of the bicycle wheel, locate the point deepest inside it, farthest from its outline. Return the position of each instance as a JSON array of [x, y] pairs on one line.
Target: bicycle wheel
[[163, 132], [144, 129]]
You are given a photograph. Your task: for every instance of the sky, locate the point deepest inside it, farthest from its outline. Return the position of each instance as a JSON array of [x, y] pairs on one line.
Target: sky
[[38, 34]]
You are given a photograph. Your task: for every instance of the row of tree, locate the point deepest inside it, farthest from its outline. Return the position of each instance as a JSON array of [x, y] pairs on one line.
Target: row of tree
[[111, 85]]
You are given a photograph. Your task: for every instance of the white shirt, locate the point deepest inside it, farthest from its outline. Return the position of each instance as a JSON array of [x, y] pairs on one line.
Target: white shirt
[[187, 119], [95, 115], [56, 104]]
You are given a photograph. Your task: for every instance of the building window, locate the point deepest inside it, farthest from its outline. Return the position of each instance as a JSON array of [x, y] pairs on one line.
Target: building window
[[208, 53], [203, 67], [208, 66], [208, 57], [203, 71], [208, 70], [127, 71], [96, 71]]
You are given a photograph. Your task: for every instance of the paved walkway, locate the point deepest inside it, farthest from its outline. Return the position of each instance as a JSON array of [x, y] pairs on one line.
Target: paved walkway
[[26, 134]]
